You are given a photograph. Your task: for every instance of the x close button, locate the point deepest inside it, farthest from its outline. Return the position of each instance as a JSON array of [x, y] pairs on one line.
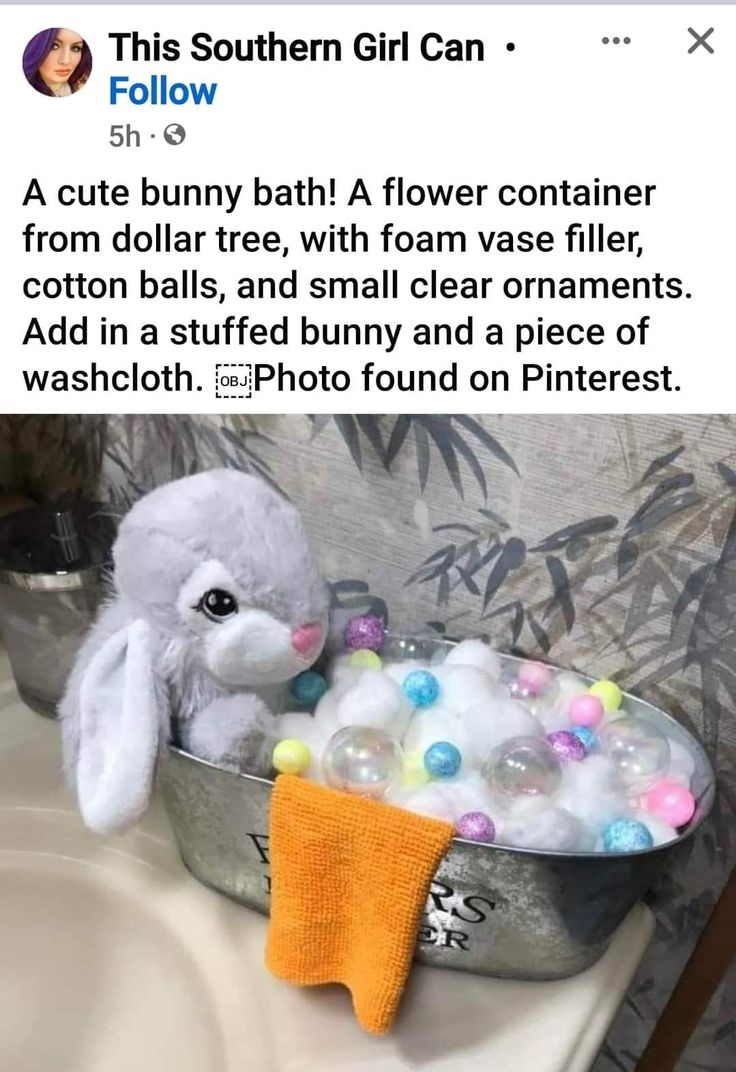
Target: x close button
[[700, 39]]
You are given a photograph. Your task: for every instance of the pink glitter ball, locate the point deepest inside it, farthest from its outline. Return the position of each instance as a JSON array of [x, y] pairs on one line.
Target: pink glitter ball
[[365, 631], [670, 802], [534, 678], [566, 746], [476, 826], [586, 710]]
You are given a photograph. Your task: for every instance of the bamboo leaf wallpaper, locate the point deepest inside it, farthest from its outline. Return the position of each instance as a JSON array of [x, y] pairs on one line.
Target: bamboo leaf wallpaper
[[603, 543]]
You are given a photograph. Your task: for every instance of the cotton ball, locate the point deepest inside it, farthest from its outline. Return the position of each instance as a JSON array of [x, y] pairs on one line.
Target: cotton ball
[[476, 653], [590, 791], [569, 686], [595, 772], [552, 718], [521, 810], [341, 673], [374, 700], [465, 792], [588, 838], [297, 725], [553, 828], [337, 666], [302, 726], [436, 724], [490, 722], [553, 711], [470, 792], [463, 686], [431, 800], [682, 763], [325, 713], [553, 708], [661, 832], [543, 701]]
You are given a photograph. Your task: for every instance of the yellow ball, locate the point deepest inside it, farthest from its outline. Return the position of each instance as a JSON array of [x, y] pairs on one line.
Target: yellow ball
[[414, 774], [291, 756], [608, 693], [366, 659]]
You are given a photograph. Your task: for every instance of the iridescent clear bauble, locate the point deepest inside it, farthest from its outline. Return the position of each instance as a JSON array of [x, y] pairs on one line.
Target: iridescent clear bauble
[[523, 766], [639, 751], [361, 760], [540, 704]]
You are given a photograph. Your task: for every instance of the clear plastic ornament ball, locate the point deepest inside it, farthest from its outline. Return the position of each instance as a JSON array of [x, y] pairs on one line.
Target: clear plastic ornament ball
[[640, 752], [540, 700], [361, 760], [523, 766], [534, 678]]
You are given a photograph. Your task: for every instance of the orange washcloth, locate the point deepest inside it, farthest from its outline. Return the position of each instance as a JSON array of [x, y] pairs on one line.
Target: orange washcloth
[[349, 879]]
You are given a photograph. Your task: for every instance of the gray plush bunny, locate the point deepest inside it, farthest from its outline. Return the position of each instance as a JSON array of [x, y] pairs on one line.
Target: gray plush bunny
[[215, 593]]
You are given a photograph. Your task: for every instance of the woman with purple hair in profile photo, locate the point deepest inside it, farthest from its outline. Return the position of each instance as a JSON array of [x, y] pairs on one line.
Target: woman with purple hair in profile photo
[[57, 62]]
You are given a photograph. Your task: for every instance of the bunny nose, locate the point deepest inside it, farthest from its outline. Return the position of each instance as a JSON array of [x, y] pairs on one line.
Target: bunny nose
[[305, 638]]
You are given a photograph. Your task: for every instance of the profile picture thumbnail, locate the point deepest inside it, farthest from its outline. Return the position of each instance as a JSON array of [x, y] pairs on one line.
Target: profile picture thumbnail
[[57, 62]]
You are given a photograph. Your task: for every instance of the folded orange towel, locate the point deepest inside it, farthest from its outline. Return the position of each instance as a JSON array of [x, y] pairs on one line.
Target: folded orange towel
[[349, 879]]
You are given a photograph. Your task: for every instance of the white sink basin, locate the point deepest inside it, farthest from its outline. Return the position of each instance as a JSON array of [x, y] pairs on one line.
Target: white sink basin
[[105, 959], [113, 958]]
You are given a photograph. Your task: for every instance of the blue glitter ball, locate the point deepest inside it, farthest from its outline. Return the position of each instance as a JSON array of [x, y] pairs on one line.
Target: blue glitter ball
[[421, 687], [586, 735], [308, 687], [626, 835], [442, 760]]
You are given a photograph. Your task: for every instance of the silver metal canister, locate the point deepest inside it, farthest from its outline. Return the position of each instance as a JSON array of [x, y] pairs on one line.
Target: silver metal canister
[[53, 560], [513, 913]]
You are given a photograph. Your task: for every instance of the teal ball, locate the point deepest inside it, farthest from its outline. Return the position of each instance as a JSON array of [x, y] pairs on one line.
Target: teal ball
[[421, 687], [586, 735], [626, 835], [442, 760], [308, 687]]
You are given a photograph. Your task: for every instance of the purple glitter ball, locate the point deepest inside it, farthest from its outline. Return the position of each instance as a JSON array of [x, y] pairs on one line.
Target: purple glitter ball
[[365, 631], [476, 826], [567, 746]]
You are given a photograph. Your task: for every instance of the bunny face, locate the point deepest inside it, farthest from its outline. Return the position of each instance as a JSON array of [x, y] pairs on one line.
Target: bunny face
[[219, 563], [242, 643]]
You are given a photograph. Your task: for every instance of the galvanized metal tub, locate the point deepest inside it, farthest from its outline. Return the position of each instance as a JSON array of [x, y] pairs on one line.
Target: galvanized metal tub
[[512, 913]]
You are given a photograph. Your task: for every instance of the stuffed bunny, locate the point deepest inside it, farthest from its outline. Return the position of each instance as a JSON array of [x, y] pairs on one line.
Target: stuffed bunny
[[215, 593]]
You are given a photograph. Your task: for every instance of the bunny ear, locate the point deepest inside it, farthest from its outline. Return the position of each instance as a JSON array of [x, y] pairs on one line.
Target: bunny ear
[[121, 714]]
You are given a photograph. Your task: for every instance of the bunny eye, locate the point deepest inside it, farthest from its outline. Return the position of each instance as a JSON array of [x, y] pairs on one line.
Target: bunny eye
[[218, 604]]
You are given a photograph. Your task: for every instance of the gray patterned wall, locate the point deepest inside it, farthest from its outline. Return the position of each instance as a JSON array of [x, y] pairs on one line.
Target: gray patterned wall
[[604, 543]]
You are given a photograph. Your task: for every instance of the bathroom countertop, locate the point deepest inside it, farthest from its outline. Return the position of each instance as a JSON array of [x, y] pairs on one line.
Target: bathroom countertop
[[112, 956]]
